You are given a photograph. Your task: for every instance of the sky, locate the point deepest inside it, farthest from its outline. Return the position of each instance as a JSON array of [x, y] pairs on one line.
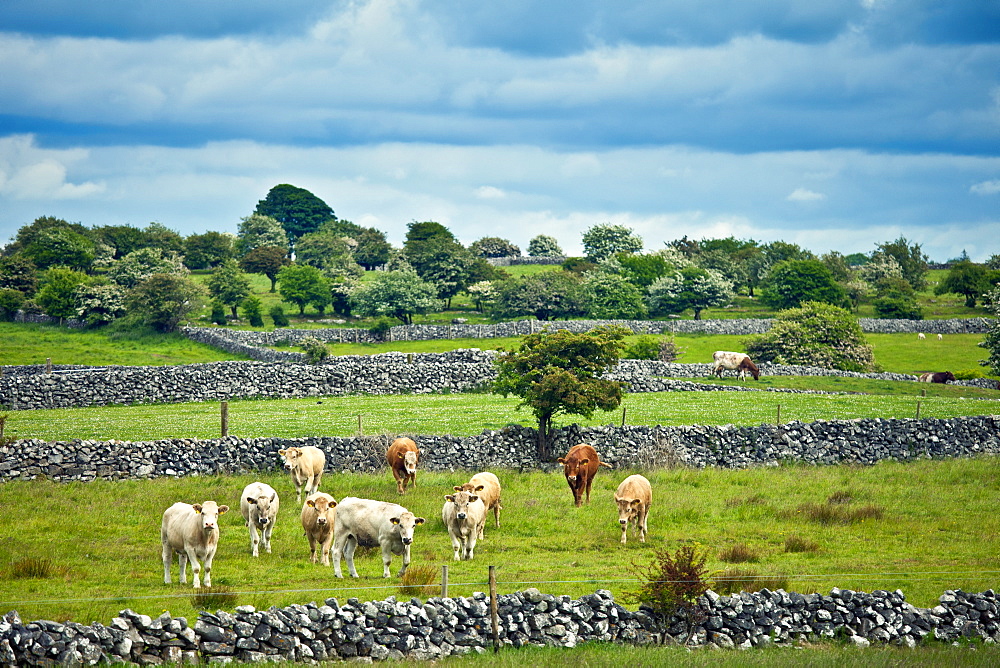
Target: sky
[[833, 124]]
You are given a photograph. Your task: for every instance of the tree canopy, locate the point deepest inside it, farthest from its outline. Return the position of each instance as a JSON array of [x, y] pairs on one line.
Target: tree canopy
[[972, 281], [298, 210], [398, 294], [792, 282], [303, 285], [911, 259], [689, 287], [544, 246], [561, 372], [601, 241]]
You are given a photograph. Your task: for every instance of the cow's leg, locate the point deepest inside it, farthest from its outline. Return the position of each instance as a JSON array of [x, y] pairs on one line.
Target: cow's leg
[[326, 549], [406, 560], [399, 481], [298, 487], [315, 482], [589, 481], [456, 544], [168, 557], [338, 553], [624, 532], [182, 558], [195, 568], [481, 527], [312, 548], [207, 567], [267, 535], [387, 558], [496, 512], [470, 546], [643, 514], [352, 544], [254, 539]]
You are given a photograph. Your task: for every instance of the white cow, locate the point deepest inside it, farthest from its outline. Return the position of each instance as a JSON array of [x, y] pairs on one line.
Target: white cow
[[940, 337], [921, 336], [306, 466], [259, 504], [192, 532], [486, 486], [372, 523], [464, 515], [318, 517]]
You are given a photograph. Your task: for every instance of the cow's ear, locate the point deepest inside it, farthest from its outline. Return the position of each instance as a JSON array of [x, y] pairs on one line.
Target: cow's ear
[[402, 455], [223, 510], [333, 503], [394, 520], [310, 503], [273, 497], [252, 500], [473, 498], [282, 452], [635, 503], [418, 520], [561, 460], [457, 488], [197, 508], [585, 460], [480, 488], [449, 497]]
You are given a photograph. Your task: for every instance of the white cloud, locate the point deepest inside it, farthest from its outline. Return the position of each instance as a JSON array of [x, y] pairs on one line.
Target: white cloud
[[986, 187], [489, 192], [30, 173], [805, 195]]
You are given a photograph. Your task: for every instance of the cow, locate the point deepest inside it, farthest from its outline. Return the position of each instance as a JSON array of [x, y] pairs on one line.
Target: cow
[[738, 362], [192, 532], [580, 466], [318, 519], [920, 336], [487, 487], [259, 504], [464, 514], [372, 523], [633, 498], [939, 377], [306, 466], [402, 458], [940, 337]]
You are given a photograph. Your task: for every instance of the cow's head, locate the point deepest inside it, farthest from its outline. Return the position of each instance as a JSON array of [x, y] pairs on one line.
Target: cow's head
[[291, 457], [405, 524], [409, 459], [572, 467], [263, 504], [748, 364], [949, 376], [627, 509], [322, 505], [461, 501], [209, 511]]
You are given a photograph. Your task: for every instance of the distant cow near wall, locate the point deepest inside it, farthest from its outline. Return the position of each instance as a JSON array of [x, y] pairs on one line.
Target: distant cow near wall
[[580, 466], [191, 532], [259, 504], [939, 377], [306, 465], [633, 497], [487, 487], [402, 458], [738, 362]]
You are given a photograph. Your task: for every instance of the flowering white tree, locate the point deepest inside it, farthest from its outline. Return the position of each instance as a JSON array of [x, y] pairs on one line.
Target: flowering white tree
[[544, 246], [140, 264], [600, 241]]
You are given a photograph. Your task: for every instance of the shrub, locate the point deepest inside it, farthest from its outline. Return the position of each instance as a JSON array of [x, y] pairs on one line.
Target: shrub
[[278, 316], [251, 308], [418, 580], [800, 544], [644, 348], [10, 301], [316, 351], [735, 580], [381, 328], [969, 374], [739, 553], [672, 582], [218, 313], [669, 350]]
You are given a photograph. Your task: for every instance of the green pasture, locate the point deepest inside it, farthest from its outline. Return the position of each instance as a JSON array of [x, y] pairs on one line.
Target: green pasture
[[935, 529]]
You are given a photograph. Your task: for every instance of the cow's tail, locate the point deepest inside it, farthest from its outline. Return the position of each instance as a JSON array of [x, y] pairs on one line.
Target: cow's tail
[[606, 464]]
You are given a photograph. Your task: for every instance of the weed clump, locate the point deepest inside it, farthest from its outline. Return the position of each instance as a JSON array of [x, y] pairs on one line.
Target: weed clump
[[839, 513], [739, 553], [800, 544], [418, 580], [213, 598], [315, 350], [734, 580], [35, 567]]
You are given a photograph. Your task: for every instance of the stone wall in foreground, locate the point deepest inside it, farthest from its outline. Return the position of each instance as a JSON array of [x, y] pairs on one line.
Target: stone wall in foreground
[[441, 627]]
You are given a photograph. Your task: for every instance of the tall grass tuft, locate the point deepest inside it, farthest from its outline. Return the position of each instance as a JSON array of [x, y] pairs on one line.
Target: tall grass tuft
[[35, 567], [739, 553], [215, 597], [800, 544], [754, 500], [842, 496], [734, 580], [838, 513], [419, 580]]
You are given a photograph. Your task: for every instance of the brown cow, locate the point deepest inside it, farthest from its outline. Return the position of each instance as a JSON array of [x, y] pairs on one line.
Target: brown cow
[[487, 486], [580, 466], [318, 517], [403, 457], [939, 377], [633, 497]]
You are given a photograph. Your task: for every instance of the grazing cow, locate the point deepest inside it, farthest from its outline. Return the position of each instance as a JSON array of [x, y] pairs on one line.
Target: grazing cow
[[633, 497], [738, 362], [318, 519], [580, 466], [940, 337], [306, 466], [372, 523], [486, 486], [920, 336], [192, 532], [259, 505], [939, 377], [464, 514], [403, 457]]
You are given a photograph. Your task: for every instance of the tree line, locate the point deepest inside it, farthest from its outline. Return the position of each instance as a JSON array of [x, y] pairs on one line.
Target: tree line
[[315, 259]]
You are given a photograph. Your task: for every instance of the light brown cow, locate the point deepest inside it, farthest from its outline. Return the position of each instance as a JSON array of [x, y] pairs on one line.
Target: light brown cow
[[306, 465], [259, 504], [191, 532], [487, 487], [464, 514], [318, 520], [403, 457], [580, 466], [634, 497], [371, 523]]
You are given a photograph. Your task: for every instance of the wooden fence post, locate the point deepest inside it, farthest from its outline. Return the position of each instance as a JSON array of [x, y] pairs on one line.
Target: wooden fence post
[[359, 425], [918, 409], [623, 416], [225, 419], [779, 415], [494, 617], [444, 581], [48, 365]]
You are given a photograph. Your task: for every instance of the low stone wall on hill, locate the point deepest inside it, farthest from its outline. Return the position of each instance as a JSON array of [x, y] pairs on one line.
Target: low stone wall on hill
[[441, 627], [860, 441]]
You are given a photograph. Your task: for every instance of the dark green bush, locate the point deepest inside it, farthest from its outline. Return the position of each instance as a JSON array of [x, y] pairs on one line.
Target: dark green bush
[[278, 316], [218, 313]]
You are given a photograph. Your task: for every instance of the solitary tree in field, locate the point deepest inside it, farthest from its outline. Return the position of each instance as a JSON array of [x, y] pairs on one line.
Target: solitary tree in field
[[601, 241], [267, 260], [561, 372], [991, 342], [298, 210]]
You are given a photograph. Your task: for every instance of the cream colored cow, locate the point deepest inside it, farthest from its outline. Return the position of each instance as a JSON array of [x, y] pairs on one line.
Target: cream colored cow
[[318, 520], [259, 504], [633, 497], [464, 515], [487, 487], [191, 532], [306, 465]]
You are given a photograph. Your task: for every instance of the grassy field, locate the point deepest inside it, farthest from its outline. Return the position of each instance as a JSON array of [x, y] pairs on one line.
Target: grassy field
[[107, 557]]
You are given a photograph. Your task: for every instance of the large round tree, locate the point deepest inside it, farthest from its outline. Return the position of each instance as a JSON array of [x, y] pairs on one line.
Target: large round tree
[[298, 210]]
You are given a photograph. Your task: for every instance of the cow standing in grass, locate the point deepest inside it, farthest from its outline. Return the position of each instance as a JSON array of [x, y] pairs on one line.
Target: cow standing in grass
[[259, 504], [318, 517], [402, 458], [464, 515], [191, 532], [738, 362], [633, 497], [486, 486], [580, 466], [371, 523], [306, 465]]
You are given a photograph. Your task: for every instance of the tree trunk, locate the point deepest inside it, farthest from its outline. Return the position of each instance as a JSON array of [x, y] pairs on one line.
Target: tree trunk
[[543, 438]]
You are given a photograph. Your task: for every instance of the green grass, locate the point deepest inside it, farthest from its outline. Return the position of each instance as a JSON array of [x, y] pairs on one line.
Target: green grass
[[104, 547], [470, 414]]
